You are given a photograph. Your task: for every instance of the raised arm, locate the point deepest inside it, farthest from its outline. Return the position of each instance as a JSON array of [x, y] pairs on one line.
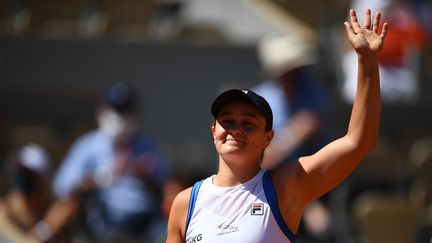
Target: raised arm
[[365, 116], [300, 183]]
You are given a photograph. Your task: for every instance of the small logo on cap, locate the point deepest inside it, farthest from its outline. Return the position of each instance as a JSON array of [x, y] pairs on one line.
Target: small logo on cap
[[245, 91]]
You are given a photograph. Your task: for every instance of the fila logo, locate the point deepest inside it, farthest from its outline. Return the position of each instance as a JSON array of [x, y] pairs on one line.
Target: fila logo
[[257, 209]]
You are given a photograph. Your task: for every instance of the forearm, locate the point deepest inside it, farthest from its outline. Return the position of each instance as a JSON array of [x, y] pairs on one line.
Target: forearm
[[322, 171], [364, 122], [58, 216]]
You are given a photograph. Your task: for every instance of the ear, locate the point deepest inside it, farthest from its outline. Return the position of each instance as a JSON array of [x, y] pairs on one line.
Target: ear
[[213, 129], [268, 138]]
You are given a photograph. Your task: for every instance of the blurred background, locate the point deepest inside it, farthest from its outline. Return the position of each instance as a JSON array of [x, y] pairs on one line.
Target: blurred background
[[58, 57]]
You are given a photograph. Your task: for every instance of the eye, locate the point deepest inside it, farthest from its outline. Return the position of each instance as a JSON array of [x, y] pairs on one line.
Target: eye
[[226, 122], [248, 125]]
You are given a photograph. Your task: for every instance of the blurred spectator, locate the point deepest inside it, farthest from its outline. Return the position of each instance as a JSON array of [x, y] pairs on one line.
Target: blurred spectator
[[399, 58], [298, 103], [26, 200], [295, 96], [179, 180], [115, 174], [423, 8]]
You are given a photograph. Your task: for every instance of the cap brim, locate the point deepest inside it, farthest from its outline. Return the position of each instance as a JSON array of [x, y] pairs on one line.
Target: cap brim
[[227, 97]]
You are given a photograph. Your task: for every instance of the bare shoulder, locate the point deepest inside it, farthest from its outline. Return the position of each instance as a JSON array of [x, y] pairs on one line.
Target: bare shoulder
[[181, 201], [178, 215], [287, 183], [287, 176], [180, 205], [287, 180]]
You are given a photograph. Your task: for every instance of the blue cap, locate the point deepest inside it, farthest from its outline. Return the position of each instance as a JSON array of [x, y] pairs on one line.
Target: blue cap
[[247, 96], [120, 97]]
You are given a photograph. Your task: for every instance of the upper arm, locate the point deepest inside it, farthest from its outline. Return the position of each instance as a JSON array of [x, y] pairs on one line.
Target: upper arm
[[329, 166], [307, 178], [72, 169], [177, 217], [312, 176]]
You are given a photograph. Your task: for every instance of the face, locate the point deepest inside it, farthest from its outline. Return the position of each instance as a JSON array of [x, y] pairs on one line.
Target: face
[[239, 132], [116, 125]]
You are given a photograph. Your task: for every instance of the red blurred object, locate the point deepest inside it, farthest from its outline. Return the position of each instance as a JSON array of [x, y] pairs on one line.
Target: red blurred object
[[405, 33]]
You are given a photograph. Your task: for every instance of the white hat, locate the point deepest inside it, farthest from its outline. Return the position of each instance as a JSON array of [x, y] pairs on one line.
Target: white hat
[[35, 158], [282, 53]]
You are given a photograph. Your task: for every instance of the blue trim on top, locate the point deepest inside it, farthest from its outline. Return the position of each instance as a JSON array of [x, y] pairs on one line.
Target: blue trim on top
[[192, 200], [274, 206]]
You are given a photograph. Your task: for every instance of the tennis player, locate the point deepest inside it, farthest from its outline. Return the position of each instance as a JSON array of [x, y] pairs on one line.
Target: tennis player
[[244, 203]]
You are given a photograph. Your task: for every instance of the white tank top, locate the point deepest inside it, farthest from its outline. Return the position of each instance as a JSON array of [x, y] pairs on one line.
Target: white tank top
[[245, 213]]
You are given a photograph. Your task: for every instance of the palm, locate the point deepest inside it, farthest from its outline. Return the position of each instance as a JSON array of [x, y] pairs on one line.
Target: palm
[[365, 39]]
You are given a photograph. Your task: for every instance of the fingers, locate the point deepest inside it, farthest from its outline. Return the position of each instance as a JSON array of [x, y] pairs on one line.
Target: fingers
[[384, 30], [354, 26], [354, 20], [367, 24], [349, 29], [376, 22], [376, 25]]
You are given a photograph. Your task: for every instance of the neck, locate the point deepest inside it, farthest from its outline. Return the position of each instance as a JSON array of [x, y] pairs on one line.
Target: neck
[[232, 174]]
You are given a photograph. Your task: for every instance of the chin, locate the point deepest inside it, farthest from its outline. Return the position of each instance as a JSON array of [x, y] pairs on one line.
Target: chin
[[234, 155], [232, 150]]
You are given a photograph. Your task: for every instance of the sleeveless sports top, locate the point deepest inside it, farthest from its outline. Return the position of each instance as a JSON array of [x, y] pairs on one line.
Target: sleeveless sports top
[[245, 213]]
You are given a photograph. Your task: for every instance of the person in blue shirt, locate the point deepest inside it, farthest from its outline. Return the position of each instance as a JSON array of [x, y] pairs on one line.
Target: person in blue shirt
[[295, 95], [115, 174], [299, 103]]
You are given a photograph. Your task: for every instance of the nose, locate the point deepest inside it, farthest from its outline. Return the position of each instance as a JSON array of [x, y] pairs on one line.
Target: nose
[[235, 130]]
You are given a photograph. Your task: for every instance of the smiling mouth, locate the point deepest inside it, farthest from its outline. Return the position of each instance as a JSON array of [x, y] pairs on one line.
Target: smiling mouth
[[233, 141]]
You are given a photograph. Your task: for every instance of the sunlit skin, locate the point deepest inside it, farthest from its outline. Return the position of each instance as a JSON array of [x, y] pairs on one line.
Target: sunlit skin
[[240, 138]]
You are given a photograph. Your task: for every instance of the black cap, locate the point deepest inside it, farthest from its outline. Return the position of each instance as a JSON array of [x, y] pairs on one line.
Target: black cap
[[247, 96], [120, 97]]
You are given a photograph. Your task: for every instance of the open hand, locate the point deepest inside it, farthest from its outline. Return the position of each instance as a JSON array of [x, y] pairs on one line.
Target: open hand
[[366, 39]]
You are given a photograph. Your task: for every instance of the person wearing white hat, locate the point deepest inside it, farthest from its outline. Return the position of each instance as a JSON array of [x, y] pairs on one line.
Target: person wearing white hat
[[299, 102], [115, 172], [295, 95], [25, 203]]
